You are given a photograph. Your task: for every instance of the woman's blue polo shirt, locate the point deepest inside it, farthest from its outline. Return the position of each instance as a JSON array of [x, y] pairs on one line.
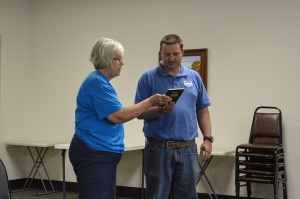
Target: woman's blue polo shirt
[[96, 100]]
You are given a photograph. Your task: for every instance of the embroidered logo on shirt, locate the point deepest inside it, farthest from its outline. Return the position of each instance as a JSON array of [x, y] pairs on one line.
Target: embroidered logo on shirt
[[188, 83]]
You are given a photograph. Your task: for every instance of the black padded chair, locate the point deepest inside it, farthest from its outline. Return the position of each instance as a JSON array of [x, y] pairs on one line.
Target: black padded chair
[[261, 160], [4, 185]]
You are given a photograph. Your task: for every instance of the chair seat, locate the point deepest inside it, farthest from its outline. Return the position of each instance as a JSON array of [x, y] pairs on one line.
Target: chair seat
[[260, 155], [258, 146], [257, 180], [256, 164], [258, 172]]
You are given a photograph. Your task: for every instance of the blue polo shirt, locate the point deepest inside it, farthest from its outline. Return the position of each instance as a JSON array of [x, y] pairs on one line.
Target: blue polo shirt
[[96, 100], [181, 124]]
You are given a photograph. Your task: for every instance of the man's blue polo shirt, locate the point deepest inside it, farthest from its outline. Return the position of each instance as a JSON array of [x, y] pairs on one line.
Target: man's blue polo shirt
[[181, 124]]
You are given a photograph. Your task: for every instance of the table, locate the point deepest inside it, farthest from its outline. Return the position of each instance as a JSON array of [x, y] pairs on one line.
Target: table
[[215, 152], [64, 147], [41, 149]]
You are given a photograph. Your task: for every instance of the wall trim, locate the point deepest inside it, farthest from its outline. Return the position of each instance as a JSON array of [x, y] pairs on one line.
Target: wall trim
[[122, 191]]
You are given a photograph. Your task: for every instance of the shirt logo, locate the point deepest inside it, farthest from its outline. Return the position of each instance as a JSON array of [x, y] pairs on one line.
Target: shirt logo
[[188, 83]]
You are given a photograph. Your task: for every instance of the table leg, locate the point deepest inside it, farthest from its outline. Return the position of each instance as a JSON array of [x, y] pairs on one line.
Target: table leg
[[38, 161], [63, 154], [202, 173], [35, 168], [143, 174]]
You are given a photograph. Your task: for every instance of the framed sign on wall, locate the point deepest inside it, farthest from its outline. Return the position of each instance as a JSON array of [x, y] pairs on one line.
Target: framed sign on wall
[[196, 59]]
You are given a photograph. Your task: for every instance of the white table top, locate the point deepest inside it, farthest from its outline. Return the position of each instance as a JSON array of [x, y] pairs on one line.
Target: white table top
[[31, 143], [222, 151], [134, 147], [62, 146], [130, 147], [127, 147], [217, 151]]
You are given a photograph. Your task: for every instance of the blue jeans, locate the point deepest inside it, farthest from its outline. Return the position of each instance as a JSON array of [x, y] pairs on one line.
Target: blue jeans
[[173, 172], [95, 170]]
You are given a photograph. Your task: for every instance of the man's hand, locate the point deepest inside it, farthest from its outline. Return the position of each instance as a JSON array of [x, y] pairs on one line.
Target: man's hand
[[205, 149], [167, 108]]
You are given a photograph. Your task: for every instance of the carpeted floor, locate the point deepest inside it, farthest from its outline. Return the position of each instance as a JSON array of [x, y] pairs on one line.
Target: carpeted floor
[[31, 194]]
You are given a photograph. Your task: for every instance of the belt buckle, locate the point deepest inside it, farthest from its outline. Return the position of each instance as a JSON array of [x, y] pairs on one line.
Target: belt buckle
[[169, 142]]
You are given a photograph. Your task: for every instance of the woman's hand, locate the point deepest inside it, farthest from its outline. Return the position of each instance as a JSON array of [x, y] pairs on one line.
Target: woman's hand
[[159, 100]]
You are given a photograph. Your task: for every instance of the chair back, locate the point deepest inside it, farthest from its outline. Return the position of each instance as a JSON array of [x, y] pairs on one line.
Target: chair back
[[266, 126], [4, 185]]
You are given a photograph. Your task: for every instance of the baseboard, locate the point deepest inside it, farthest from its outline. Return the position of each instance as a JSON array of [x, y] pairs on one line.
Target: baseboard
[[121, 191]]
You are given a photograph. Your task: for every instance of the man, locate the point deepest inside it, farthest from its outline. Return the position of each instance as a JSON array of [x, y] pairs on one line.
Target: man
[[171, 157]]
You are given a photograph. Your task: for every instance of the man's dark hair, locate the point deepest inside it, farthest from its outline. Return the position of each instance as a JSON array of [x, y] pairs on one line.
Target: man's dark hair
[[171, 39]]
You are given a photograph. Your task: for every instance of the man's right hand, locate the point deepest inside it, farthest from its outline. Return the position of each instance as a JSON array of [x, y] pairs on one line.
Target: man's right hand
[[167, 108]]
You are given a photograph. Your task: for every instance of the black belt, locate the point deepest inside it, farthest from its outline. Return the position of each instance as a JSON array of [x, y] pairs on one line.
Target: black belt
[[170, 144]]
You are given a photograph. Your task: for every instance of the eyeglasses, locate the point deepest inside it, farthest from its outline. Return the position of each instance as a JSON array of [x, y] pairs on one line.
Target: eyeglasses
[[120, 59]]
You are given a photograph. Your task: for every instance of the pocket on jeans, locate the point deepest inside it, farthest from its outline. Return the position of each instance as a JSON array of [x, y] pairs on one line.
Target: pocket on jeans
[[152, 148], [193, 149]]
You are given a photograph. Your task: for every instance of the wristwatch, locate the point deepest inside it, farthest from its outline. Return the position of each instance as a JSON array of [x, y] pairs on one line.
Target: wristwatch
[[211, 138]]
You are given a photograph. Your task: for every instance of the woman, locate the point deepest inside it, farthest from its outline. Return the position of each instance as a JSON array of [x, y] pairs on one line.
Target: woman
[[98, 142]]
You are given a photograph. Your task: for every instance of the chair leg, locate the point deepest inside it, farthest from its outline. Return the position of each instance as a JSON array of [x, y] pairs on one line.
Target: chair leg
[[275, 191], [249, 191], [237, 190], [284, 190]]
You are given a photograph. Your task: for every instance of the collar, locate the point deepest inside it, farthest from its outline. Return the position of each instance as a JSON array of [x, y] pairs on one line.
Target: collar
[[163, 72], [99, 73]]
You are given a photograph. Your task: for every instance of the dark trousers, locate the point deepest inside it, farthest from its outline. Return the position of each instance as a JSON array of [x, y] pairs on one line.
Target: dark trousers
[[95, 170]]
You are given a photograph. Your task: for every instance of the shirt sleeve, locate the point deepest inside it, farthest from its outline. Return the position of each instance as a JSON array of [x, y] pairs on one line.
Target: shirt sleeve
[[203, 100], [142, 91], [105, 100]]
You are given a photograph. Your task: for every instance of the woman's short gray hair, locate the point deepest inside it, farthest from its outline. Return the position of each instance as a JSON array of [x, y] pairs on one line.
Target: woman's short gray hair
[[103, 52]]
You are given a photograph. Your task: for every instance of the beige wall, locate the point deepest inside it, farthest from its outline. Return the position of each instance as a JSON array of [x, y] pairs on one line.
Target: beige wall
[[252, 61], [14, 31]]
